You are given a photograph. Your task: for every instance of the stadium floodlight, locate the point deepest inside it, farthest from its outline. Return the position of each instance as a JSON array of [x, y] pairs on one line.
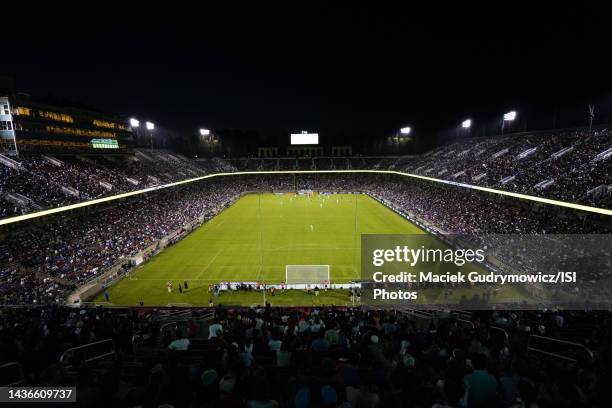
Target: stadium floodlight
[[204, 132], [510, 116], [150, 125], [466, 124], [134, 122], [405, 130]]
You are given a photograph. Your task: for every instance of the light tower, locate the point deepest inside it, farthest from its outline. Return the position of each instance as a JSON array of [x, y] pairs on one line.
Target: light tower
[[150, 127], [508, 117]]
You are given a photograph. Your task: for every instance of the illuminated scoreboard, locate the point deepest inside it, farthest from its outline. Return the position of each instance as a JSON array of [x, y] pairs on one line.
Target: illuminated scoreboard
[[104, 144], [304, 138]]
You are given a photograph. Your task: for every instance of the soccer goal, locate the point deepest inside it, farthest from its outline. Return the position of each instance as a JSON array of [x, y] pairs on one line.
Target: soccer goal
[[307, 274]]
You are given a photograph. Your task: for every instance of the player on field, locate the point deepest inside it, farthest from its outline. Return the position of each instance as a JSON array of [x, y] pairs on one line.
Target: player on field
[[169, 286]]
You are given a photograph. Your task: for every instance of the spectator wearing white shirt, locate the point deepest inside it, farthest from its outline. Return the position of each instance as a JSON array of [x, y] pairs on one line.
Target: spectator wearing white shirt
[[181, 343], [214, 329]]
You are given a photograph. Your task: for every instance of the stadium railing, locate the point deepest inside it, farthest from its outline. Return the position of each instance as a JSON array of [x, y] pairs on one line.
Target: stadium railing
[[499, 331], [464, 322], [462, 313], [181, 320], [91, 352], [561, 349], [11, 374], [515, 195], [422, 314], [421, 318]]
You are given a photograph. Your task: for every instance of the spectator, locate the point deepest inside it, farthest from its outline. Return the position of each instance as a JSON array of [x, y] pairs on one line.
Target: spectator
[[180, 342], [215, 329], [319, 343], [481, 386]]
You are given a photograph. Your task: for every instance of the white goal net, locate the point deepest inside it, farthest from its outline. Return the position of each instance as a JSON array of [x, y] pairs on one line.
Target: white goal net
[[306, 274]]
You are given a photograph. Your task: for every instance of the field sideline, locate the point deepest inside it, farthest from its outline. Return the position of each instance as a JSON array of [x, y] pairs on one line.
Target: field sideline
[[318, 230]]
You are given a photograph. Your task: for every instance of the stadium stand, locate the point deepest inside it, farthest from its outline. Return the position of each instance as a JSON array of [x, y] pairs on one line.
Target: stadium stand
[[327, 357], [569, 165], [78, 247], [566, 165], [41, 182], [302, 357]]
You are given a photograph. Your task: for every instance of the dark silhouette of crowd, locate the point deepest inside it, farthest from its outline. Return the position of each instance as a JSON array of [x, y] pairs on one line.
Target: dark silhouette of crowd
[[327, 357]]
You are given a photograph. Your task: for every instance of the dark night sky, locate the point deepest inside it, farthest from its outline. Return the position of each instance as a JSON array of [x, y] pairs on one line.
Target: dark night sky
[[357, 71]]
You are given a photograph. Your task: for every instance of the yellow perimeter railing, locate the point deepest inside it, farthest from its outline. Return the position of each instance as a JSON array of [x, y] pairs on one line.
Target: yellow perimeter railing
[[579, 207]]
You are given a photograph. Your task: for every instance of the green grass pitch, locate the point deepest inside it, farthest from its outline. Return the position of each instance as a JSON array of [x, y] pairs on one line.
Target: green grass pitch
[[253, 241], [295, 229]]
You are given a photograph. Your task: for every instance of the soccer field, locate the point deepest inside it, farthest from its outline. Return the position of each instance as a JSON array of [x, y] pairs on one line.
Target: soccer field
[[254, 239]]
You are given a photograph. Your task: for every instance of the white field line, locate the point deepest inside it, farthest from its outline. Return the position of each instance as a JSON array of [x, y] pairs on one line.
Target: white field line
[[320, 247], [209, 263]]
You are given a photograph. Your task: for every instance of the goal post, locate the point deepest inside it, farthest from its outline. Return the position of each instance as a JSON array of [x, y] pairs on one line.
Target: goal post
[[307, 274]]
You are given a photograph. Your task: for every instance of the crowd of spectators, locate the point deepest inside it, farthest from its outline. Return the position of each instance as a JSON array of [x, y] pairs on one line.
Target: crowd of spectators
[[19, 287], [46, 182], [78, 247], [558, 165], [326, 357], [521, 162], [264, 357], [33, 187]]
